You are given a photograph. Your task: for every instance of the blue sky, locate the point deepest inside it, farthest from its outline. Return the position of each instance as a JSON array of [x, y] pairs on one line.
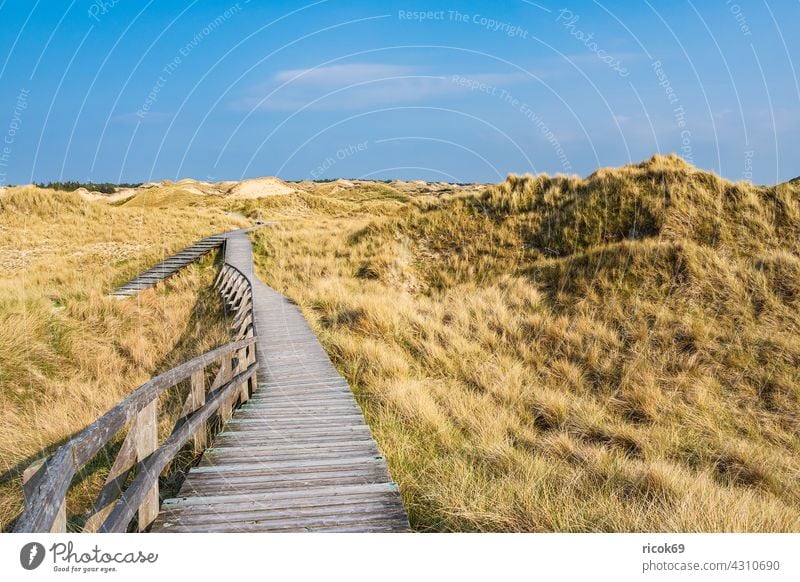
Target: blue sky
[[457, 91]]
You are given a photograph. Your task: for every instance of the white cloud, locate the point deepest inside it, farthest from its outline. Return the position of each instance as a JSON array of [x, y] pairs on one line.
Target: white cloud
[[359, 86], [339, 75]]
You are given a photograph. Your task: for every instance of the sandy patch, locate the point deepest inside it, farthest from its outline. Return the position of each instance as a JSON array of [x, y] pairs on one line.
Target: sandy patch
[[122, 194], [260, 188], [20, 259], [90, 195]]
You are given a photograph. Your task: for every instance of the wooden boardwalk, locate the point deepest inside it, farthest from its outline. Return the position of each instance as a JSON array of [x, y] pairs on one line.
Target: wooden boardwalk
[[298, 456], [170, 266]]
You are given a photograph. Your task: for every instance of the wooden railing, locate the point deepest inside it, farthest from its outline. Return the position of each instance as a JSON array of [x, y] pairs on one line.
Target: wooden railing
[[47, 482], [237, 294]]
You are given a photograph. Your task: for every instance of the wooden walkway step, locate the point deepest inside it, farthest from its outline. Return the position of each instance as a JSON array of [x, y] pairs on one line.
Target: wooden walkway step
[[170, 265], [298, 455]]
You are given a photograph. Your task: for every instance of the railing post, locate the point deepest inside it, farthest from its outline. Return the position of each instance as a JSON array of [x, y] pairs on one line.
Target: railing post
[[125, 461], [198, 398], [222, 272], [226, 409], [252, 381], [28, 483], [146, 443], [237, 295], [244, 362]]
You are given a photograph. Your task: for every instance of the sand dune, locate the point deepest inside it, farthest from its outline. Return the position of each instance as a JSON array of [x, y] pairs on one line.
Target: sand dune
[[259, 188]]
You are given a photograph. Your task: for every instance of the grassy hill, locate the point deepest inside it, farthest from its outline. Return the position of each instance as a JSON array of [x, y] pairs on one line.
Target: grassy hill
[[162, 197], [615, 353]]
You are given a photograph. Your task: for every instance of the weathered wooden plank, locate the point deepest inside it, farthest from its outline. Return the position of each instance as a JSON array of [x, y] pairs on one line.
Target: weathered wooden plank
[[146, 278], [267, 391], [354, 422], [240, 295], [286, 401], [283, 495], [388, 527], [366, 449], [247, 331], [146, 438], [267, 399], [304, 396], [256, 407], [290, 507], [242, 438], [297, 427], [187, 256], [256, 485], [322, 416], [298, 420], [226, 273], [246, 357], [269, 388], [28, 490], [332, 389], [197, 394], [311, 523], [245, 312], [125, 461], [134, 286], [273, 375], [137, 492], [252, 439], [293, 465], [334, 504], [289, 386], [223, 374], [238, 286], [220, 276], [248, 320], [360, 511], [299, 432], [399, 525], [276, 376], [289, 447]]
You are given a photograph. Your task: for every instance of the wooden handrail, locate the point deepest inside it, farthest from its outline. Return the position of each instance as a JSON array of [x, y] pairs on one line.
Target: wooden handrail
[[236, 290], [123, 512], [46, 487]]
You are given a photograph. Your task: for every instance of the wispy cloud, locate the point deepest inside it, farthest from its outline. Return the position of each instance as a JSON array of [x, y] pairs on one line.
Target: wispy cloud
[[358, 86], [346, 74]]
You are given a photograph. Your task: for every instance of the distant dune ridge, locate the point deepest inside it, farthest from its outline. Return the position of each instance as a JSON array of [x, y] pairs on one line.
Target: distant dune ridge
[[180, 192]]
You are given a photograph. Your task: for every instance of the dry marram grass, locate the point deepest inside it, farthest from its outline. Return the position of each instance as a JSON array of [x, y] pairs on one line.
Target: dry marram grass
[[615, 353], [68, 352]]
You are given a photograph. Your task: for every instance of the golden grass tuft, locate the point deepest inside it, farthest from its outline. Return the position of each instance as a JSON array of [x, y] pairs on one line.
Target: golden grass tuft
[[164, 197]]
